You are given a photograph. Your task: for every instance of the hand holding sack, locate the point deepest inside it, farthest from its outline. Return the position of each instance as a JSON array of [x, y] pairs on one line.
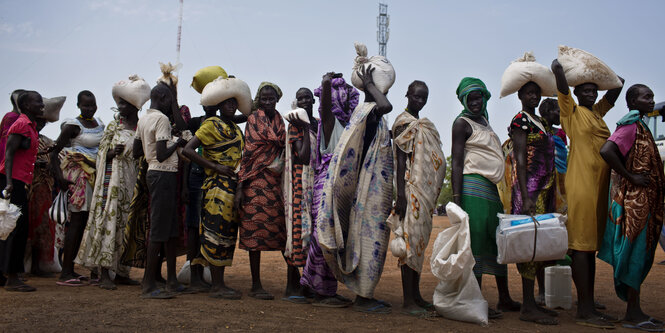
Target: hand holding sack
[[383, 75], [9, 214], [581, 67], [523, 70], [135, 91], [223, 88], [297, 113]]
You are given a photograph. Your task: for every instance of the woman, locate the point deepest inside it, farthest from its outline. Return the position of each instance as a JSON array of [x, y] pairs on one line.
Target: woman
[[42, 229], [421, 167], [532, 188], [262, 226], [298, 182], [477, 165], [8, 119], [636, 205], [337, 100], [222, 143], [587, 181], [16, 169], [79, 138], [102, 241]]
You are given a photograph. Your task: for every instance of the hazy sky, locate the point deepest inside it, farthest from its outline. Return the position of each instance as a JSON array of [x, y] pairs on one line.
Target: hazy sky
[[62, 47]]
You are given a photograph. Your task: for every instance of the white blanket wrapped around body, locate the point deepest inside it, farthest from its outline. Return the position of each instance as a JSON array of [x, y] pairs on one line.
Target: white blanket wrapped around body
[[516, 234]]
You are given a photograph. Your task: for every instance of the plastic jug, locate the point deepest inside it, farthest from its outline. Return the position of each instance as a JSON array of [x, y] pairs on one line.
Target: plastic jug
[[558, 287]]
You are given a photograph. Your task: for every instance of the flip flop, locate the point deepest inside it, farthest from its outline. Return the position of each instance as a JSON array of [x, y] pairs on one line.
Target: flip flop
[[650, 325], [226, 294], [380, 308], [108, 286], [92, 282], [296, 299], [547, 320], [181, 290], [420, 313], [595, 322], [157, 294], [513, 307], [494, 314], [331, 302], [262, 295], [23, 288], [71, 283]]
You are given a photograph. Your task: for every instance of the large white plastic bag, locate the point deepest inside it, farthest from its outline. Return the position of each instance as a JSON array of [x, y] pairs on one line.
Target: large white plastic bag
[[185, 274], [523, 70], [8, 217], [457, 296], [581, 67], [515, 242], [383, 75]]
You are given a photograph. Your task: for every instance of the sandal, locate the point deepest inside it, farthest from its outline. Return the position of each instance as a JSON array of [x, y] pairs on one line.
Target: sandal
[[23, 288], [595, 322], [296, 299], [226, 294], [71, 283], [650, 325], [262, 295], [380, 308], [543, 319], [419, 313], [332, 302], [157, 294]]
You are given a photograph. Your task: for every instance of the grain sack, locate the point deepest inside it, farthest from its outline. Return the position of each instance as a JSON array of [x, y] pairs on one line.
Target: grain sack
[[135, 91], [583, 67], [52, 107], [167, 74], [223, 88], [383, 75], [298, 113], [523, 70], [206, 75]]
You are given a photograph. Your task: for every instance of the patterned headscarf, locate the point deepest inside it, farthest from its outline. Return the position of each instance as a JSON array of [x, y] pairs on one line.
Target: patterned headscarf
[[255, 105], [466, 86]]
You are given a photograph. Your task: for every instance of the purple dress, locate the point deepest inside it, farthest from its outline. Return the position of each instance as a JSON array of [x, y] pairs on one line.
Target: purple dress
[[316, 274]]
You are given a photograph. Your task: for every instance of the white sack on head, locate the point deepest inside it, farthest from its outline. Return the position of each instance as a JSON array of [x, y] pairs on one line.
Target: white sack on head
[[523, 70], [583, 67], [298, 113], [135, 91], [52, 107], [383, 75], [222, 89], [167, 73]]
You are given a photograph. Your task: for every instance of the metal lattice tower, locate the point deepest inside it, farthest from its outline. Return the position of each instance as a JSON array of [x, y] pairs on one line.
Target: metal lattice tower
[[382, 22]]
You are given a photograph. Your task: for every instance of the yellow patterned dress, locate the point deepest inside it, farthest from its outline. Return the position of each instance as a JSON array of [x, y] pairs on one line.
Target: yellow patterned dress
[[222, 144]]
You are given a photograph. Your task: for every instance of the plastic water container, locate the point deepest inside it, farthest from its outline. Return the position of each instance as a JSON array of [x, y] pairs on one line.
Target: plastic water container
[[558, 287]]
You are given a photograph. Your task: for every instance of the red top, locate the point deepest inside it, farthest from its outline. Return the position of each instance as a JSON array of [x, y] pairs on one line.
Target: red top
[[7, 122], [24, 159]]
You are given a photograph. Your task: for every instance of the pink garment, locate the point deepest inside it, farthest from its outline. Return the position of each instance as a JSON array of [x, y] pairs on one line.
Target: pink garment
[[624, 137], [7, 122], [24, 159]]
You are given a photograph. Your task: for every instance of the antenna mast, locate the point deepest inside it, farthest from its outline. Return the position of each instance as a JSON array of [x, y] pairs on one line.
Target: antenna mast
[[382, 22]]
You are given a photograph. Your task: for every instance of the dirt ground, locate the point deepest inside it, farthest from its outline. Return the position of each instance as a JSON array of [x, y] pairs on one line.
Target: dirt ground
[[56, 308]]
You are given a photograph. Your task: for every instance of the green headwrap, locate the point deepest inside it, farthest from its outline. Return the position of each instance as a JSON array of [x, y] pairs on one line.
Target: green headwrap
[[466, 86], [255, 105]]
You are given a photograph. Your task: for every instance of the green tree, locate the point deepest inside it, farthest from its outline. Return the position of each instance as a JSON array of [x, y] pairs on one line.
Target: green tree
[[446, 194]]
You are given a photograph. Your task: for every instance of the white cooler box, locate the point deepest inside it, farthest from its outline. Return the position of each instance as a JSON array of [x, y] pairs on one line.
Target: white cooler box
[[515, 238]]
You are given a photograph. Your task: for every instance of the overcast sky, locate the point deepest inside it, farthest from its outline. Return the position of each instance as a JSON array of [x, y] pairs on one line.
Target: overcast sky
[[62, 47]]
